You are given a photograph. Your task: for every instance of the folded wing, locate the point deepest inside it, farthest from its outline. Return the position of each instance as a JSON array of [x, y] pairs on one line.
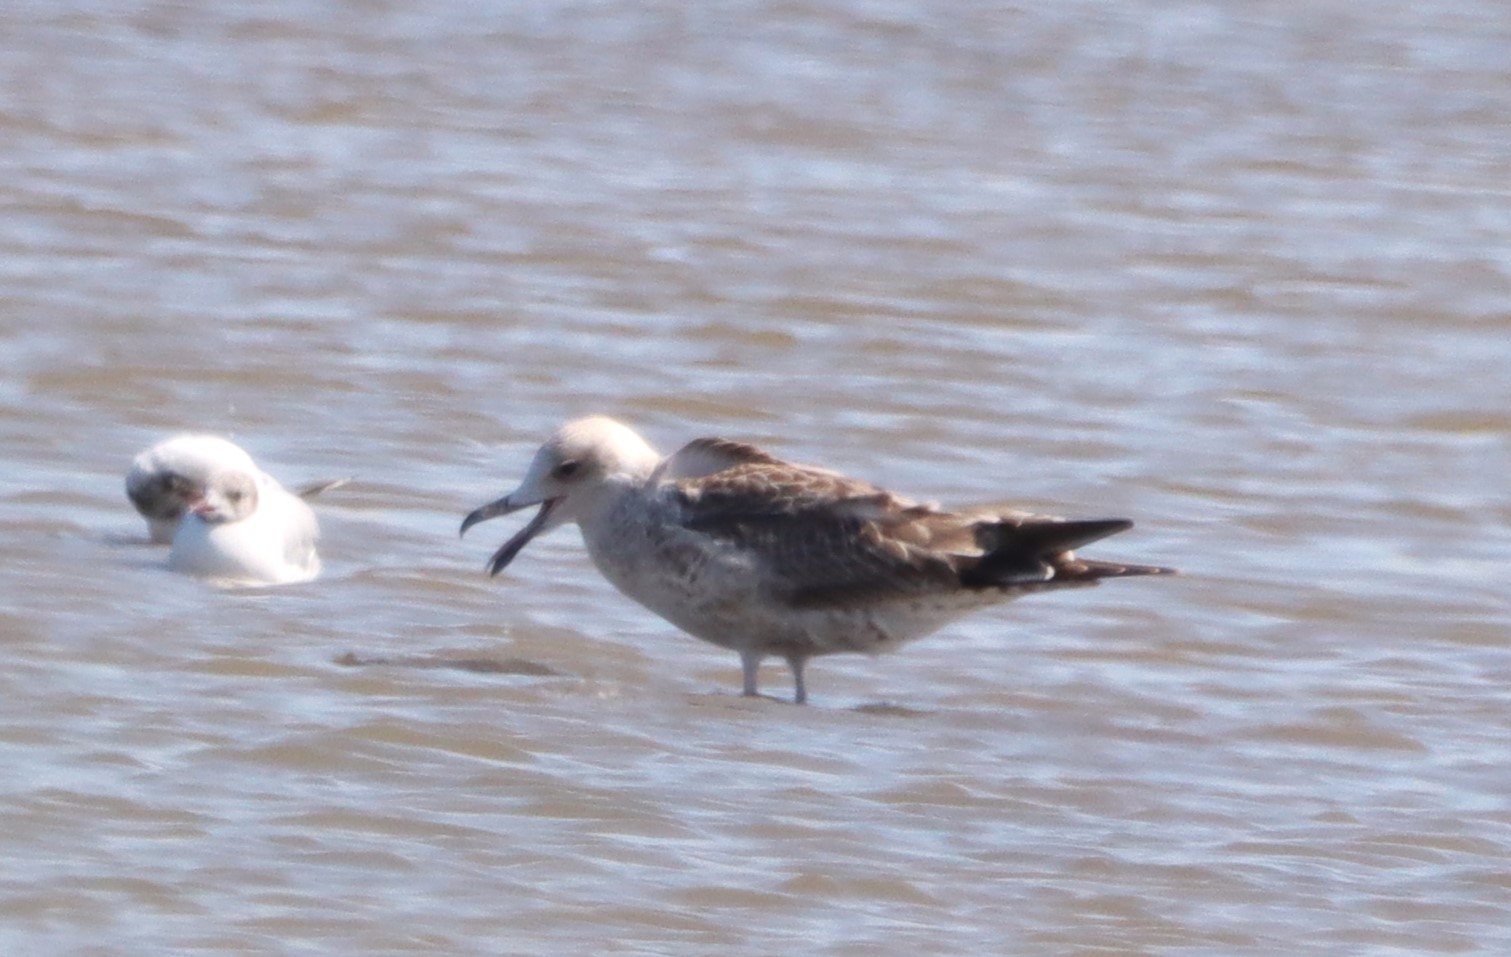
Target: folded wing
[[825, 540]]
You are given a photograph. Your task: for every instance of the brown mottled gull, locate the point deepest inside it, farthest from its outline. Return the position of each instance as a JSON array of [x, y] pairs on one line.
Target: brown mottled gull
[[764, 557]]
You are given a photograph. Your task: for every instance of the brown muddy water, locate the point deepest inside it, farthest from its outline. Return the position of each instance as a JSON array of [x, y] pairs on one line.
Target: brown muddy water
[[1239, 272]]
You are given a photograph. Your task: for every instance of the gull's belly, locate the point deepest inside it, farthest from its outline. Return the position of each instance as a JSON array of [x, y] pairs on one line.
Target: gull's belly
[[251, 551], [717, 594]]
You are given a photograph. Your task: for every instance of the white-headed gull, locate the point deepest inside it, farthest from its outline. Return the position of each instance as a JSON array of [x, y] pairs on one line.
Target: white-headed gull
[[764, 557], [164, 479]]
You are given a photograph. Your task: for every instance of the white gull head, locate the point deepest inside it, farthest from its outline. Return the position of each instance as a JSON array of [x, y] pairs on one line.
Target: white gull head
[[571, 477], [230, 495], [164, 479]]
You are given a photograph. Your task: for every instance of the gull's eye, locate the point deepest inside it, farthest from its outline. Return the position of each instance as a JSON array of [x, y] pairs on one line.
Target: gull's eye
[[566, 469]]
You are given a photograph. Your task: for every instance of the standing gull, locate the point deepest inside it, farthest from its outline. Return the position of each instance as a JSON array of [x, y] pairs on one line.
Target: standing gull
[[764, 557]]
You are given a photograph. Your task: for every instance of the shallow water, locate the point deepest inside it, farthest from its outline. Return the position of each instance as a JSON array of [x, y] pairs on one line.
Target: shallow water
[[1238, 274]]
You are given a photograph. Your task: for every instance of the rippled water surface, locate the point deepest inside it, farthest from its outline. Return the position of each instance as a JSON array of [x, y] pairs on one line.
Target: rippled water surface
[[1239, 272]]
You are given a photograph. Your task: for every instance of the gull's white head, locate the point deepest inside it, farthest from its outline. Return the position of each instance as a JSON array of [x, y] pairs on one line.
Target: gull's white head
[[230, 495], [166, 478], [569, 475]]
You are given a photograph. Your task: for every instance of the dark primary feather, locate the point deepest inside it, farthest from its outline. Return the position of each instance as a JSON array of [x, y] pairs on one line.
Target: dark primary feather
[[1018, 552]]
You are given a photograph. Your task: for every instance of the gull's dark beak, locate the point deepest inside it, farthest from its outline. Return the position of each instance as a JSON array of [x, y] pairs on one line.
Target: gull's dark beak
[[494, 509], [511, 548]]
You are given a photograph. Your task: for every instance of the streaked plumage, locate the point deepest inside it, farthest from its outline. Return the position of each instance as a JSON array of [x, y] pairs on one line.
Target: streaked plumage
[[765, 557]]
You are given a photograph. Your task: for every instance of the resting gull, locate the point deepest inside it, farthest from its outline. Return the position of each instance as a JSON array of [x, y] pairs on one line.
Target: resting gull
[[246, 529], [165, 479], [764, 557]]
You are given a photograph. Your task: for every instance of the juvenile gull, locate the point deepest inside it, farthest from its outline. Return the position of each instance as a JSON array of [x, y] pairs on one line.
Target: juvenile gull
[[164, 479], [245, 529], [764, 557]]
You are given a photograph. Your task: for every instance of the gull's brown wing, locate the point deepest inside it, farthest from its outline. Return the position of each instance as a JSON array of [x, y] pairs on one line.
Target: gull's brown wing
[[825, 540]]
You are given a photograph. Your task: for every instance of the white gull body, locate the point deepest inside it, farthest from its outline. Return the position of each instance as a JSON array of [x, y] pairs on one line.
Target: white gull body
[[247, 530], [764, 557]]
